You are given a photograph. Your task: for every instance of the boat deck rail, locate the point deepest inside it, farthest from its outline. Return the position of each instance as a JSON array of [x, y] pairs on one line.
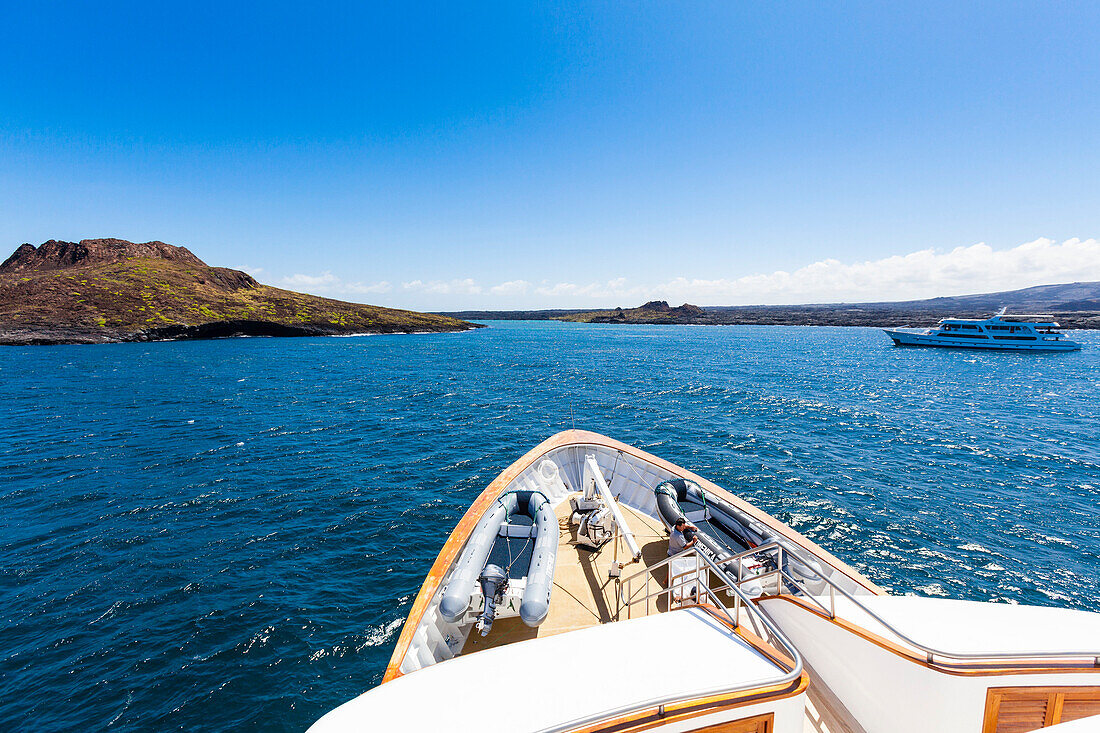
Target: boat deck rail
[[786, 580], [699, 582]]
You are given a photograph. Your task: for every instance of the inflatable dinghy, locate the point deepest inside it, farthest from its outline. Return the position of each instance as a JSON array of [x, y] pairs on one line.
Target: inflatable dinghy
[[734, 523], [742, 528], [472, 568]]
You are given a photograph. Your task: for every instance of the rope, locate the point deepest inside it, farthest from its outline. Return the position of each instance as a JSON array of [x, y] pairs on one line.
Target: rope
[[511, 562], [703, 494]]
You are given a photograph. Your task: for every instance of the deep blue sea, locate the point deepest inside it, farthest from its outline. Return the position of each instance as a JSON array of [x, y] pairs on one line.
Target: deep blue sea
[[227, 534]]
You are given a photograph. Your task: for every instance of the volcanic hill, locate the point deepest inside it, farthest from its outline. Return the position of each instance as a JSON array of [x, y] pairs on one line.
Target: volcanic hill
[[653, 312], [110, 290]]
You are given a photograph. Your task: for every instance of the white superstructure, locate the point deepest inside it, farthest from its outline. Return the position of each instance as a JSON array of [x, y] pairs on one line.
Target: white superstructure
[[757, 630], [1004, 332]]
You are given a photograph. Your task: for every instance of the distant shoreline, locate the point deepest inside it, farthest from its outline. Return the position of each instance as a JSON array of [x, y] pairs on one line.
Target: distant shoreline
[[783, 316], [1073, 305]]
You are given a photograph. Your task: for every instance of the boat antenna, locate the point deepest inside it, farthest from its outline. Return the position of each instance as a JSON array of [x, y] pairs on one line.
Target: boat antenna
[[1001, 312], [572, 418]]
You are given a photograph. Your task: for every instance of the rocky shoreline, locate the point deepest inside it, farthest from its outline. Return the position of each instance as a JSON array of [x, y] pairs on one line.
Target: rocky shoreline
[[101, 291], [50, 336]]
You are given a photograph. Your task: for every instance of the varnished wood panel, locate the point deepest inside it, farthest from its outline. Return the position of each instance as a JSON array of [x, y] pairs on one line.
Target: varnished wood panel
[[1023, 709], [1075, 709]]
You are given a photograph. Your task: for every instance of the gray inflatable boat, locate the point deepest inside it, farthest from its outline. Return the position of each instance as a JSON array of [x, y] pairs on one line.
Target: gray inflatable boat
[[472, 567]]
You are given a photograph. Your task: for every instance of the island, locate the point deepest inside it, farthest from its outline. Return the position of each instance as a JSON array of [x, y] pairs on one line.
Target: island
[[1073, 305], [113, 290], [655, 311]]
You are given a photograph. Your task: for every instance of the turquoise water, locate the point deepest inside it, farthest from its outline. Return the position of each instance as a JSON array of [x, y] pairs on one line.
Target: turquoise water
[[227, 534]]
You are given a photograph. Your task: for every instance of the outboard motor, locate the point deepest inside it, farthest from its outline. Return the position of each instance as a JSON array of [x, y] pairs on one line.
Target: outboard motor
[[494, 584]]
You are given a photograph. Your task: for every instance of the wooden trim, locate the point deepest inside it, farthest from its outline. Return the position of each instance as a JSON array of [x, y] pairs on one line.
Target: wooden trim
[[966, 669], [655, 717], [1054, 709], [1052, 698], [992, 711], [461, 532], [776, 656]]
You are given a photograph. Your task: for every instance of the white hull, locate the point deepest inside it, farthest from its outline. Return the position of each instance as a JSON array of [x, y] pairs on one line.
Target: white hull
[[909, 338], [610, 657]]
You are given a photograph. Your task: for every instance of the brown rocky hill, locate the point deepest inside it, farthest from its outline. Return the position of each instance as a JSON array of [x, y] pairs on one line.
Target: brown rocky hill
[[107, 290], [55, 255], [653, 312]]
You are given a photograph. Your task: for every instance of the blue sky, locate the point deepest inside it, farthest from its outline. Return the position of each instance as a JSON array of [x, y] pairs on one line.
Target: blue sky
[[444, 156]]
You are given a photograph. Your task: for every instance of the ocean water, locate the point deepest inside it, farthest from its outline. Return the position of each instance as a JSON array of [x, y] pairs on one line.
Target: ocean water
[[227, 534]]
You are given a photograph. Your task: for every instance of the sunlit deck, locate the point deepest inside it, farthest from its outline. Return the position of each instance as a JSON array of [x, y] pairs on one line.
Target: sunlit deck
[[583, 594]]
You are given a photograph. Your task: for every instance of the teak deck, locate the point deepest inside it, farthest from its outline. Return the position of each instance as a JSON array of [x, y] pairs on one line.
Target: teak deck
[[583, 595]]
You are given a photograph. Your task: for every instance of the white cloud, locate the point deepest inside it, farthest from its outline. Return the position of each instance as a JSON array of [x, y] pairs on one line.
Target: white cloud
[[378, 287], [311, 281], [328, 284], [512, 287], [466, 286], [611, 288], [922, 274]]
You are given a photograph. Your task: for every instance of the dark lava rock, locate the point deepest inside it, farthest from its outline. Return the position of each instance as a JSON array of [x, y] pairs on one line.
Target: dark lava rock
[[55, 255]]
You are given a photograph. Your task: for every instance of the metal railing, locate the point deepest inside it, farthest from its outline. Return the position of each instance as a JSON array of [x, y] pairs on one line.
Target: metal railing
[[697, 583], [931, 653]]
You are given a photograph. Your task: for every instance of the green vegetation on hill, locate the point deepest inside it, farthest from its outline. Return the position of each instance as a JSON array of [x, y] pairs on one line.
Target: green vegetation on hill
[[153, 297]]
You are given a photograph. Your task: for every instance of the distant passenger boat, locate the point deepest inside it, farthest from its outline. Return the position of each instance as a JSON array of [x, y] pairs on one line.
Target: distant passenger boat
[[1011, 333]]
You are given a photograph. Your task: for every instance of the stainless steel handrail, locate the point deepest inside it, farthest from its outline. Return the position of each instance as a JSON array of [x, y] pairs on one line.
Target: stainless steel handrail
[[702, 562], [930, 652], [727, 583]]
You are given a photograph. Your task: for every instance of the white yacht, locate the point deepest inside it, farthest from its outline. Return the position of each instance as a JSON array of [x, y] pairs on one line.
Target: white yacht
[[1000, 331], [555, 606]]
